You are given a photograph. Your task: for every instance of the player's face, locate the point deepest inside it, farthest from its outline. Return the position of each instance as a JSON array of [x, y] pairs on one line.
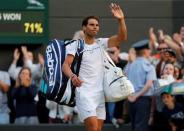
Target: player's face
[[92, 28]]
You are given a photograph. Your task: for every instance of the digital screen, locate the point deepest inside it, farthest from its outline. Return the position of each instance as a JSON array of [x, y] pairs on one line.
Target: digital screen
[[27, 25]]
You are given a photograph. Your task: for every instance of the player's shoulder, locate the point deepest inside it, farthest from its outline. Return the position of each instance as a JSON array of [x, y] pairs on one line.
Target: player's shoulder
[[101, 39]]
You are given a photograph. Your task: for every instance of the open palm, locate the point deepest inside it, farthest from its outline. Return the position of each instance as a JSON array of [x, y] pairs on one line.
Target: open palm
[[116, 11]]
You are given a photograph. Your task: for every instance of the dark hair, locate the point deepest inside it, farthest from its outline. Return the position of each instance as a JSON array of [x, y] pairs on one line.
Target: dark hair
[[171, 52], [118, 47], [139, 52], [25, 68], [85, 20], [163, 93], [167, 63]]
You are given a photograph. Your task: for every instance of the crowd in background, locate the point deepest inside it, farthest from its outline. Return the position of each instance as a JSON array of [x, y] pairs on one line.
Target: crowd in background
[[21, 103]]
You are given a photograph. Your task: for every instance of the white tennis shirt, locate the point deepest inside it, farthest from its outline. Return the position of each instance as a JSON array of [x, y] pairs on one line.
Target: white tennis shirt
[[91, 69]]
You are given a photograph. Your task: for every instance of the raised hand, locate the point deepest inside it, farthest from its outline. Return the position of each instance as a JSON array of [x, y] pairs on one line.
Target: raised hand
[[177, 38], [25, 53], [152, 38], [117, 11], [16, 54], [41, 59], [152, 35], [24, 49], [161, 34]]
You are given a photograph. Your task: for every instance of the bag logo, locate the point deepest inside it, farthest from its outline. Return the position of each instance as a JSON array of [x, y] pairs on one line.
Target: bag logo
[[50, 64]]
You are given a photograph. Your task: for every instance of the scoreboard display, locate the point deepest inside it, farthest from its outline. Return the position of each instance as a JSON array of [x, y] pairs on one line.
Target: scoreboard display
[[24, 21]]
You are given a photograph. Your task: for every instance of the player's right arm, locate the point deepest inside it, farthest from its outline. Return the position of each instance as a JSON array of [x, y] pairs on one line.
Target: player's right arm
[[68, 72]]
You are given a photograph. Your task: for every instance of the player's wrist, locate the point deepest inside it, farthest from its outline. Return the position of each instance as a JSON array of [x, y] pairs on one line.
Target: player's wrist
[[122, 18], [72, 76]]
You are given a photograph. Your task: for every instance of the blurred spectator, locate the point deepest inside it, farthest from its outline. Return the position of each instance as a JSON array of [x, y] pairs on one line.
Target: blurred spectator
[[141, 73], [171, 72], [168, 72], [78, 35], [172, 111], [171, 56], [178, 39], [123, 56], [14, 69], [175, 44], [169, 51], [114, 53], [153, 39], [159, 122], [177, 73], [131, 58], [36, 69], [24, 94], [4, 87], [163, 59]]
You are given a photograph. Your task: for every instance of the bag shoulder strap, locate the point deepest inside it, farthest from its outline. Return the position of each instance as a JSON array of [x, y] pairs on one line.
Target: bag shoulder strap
[[67, 42], [78, 57], [105, 55], [109, 58], [79, 53]]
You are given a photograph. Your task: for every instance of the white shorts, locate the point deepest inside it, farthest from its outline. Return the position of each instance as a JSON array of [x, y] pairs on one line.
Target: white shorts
[[90, 105]]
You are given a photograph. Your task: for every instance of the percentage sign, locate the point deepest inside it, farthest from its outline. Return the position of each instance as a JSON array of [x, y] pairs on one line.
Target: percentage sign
[[39, 28]]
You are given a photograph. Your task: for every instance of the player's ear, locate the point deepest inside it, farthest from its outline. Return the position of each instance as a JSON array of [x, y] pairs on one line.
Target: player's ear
[[84, 28]]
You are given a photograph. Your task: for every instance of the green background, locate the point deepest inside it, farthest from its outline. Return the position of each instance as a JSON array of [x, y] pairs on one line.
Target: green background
[[13, 31]]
